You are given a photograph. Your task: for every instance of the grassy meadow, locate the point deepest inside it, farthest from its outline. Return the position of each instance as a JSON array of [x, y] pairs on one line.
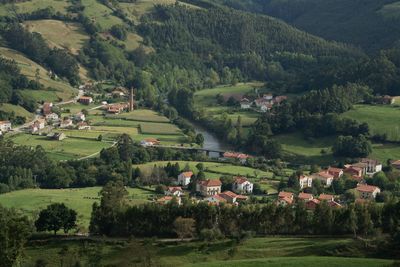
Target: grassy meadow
[[100, 14], [31, 201], [18, 110], [382, 119], [29, 6], [267, 251], [60, 34], [56, 89], [69, 148]]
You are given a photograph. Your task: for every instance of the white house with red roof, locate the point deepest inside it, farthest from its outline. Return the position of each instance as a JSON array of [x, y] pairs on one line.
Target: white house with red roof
[[245, 103], [285, 198], [242, 186], [373, 166], [215, 199], [79, 116], [368, 191], [184, 178], [209, 187], [336, 172], [326, 197], [173, 191], [325, 178], [305, 181]]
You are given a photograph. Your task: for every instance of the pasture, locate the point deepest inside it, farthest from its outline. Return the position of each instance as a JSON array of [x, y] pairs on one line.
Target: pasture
[[18, 110], [31, 201], [144, 115], [100, 14], [60, 34], [69, 148], [57, 89], [263, 251], [381, 119], [29, 6]]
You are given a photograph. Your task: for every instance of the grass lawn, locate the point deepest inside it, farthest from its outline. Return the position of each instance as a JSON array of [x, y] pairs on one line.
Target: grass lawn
[[144, 115], [100, 14], [277, 251], [60, 89], [18, 110], [207, 97], [381, 119], [30, 201], [213, 170], [67, 35], [69, 148], [159, 128], [29, 6]]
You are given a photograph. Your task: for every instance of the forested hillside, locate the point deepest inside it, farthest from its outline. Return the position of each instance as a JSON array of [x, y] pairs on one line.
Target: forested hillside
[[371, 24]]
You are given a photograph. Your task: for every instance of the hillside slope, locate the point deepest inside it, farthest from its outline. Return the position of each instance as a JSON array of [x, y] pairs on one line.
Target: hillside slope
[[371, 24]]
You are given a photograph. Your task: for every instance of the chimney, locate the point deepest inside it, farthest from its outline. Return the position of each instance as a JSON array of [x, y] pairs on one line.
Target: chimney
[[131, 100]]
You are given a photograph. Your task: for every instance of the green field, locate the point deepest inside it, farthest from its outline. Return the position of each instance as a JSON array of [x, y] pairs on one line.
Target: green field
[[100, 14], [145, 115], [69, 148], [18, 110], [67, 35], [59, 89], [381, 119], [270, 251], [29, 6], [213, 170], [30, 201]]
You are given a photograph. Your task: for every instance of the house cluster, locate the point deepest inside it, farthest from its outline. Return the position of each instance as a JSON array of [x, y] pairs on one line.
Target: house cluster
[[116, 108], [311, 202], [357, 171], [5, 126], [209, 190], [236, 156], [76, 121], [264, 103]]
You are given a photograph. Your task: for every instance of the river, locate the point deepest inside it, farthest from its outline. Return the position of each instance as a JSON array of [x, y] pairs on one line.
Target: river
[[211, 141]]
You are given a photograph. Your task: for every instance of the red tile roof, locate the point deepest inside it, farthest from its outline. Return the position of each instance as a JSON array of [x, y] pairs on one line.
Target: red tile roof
[[173, 189], [240, 179], [187, 174], [211, 183], [325, 175], [229, 194], [284, 194], [304, 196], [367, 188], [325, 197]]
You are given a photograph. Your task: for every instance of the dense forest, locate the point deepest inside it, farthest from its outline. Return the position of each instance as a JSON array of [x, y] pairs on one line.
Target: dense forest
[[371, 24]]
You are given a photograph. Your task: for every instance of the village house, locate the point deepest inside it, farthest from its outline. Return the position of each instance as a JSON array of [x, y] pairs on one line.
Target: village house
[[238, 156], [83, 125], [285, 198], [373, 166], [37, 125], [5, 126], [312, 204], [184, 178], [305, 196], [56, 136], [368, 191], [47, 108], [336, 172], [67, 123], [150, 142], [242, 186], [387, 100], [117, 108], [245, 103], [326, 197], [52, 117], [325, 178], [167, 199], [305, 181], [79, 116], [265, 107], [174, 191], [85, 100], [209, 187], [355, 172]]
